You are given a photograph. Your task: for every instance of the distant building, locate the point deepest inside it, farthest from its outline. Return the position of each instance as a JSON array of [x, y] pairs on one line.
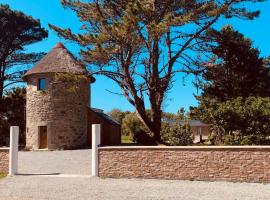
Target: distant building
[[199, 129], [58, 111], [110, 131]]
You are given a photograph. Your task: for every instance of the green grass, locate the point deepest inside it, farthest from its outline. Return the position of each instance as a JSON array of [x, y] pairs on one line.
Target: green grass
[[2, 175], [126, 139]]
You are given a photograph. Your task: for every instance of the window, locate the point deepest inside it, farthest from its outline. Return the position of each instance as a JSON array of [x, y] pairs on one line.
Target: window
[[42, 84]]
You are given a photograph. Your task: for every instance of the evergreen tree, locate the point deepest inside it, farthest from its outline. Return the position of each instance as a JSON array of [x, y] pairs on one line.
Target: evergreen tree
[[16, 31], [237, 70], [118, 114], [12, 113], [143, 44], [235, 90]]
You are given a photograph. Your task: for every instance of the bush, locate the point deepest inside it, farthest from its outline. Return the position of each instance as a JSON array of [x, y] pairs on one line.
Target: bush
[[12, 107], [4, 132], [118, 115], [132, 126], [176, 134], [239, 121], [143, 138]]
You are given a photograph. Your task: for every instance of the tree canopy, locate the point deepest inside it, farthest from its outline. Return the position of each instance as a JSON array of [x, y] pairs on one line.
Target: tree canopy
[[235, 90], [236, 68], [12, 113], [240, 121], [143, 44], [17, 31]]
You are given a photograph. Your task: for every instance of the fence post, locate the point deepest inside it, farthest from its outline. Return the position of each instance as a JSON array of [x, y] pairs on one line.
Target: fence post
[[95, 144], [13, 150]]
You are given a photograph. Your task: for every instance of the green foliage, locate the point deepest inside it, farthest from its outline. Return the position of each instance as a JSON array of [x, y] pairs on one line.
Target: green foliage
[[131, 125], [2, 175], [4, 130], [12, 113], [118, 115], [176, 134], [74, 80], [125, 139], [136, 130], [17, 31], [172, 133], [236, 70], [143, 44], [143, 138], [235, 91], [171, 117], [239, 121]]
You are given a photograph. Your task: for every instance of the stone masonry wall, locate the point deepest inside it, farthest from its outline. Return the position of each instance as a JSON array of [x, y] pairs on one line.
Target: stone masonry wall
[[62, 110], [4, 160], [237, 164]]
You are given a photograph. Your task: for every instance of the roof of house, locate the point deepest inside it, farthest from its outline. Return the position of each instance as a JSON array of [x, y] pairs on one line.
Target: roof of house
[[104, 116], [193, 122], [59, 59]]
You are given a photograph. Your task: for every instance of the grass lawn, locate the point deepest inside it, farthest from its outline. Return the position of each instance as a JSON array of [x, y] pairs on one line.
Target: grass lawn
[[2, 175], [126, 139]]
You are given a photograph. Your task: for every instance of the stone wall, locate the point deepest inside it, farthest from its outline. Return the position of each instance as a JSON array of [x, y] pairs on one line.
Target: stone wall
[[237, 164], [4, 160], [62, 107]]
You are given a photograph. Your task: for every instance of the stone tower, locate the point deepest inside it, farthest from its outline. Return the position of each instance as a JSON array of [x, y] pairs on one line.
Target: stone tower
[[58, 90]]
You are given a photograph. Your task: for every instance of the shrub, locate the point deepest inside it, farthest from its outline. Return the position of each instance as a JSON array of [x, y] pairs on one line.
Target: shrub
[[12, 107], [143, 138], [132, 126], [176, 134], [239, 121], [118, 115]]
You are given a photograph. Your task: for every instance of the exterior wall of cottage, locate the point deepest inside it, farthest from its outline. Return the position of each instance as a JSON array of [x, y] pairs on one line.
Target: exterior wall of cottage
[[61, 107], [237, 164], [4, 160], [205, 130], [110, 133]]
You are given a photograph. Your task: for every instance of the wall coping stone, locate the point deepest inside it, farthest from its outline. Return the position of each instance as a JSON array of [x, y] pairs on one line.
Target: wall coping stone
[[4, 148], [194, 148]]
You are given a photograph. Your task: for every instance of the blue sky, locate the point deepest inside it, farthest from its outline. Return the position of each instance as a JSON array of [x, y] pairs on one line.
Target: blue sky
[[181, 95]]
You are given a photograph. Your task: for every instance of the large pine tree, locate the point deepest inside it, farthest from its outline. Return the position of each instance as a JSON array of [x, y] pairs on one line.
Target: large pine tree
[[235, 90], [237, 70], [143, 44], [17, 30]]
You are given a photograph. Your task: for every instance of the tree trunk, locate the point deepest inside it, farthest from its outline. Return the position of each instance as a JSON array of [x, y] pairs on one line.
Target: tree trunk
[[1, 88], [156, 129], [154, 124]]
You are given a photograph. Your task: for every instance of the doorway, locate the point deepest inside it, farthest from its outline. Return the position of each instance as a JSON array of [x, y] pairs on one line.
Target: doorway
[[43, 137]]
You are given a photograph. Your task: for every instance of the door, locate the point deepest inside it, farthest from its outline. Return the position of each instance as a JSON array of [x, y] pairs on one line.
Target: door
[[43, 137]]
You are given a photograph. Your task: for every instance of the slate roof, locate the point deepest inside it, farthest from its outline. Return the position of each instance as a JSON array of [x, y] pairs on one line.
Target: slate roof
[[104, 116], [193, 122], [59, 59]]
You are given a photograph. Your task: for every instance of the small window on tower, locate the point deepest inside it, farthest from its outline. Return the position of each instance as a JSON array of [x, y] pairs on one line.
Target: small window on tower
[[42, 84]]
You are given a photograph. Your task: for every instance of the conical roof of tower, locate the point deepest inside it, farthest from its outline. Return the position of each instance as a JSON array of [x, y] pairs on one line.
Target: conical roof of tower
[[59, 59]]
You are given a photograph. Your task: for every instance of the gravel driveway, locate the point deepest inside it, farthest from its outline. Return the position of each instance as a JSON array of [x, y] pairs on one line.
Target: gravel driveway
[[55, 162], [65, 175], [56, 188]]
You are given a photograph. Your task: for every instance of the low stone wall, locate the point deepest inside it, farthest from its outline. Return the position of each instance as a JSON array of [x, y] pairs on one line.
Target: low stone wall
[[237, 164], [4, 160]]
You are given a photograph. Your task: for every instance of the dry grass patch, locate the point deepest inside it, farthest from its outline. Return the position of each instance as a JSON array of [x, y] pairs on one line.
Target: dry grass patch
[[2, 175]]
